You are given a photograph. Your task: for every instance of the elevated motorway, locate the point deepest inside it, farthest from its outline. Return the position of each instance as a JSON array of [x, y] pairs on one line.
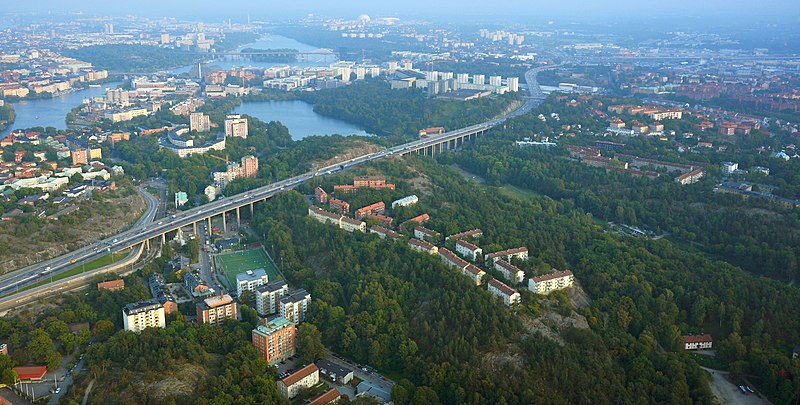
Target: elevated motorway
[[141, 234]]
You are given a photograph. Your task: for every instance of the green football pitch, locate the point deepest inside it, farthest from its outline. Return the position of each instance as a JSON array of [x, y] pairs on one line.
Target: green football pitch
[[231, 264]]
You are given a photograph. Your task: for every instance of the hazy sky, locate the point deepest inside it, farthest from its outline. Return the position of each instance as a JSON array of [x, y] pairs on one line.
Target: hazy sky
[[443, 8]]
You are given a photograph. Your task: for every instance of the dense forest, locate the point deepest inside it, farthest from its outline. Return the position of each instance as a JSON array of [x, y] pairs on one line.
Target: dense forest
[[380, 303], [400, 114], [7, 116], [132, 57]]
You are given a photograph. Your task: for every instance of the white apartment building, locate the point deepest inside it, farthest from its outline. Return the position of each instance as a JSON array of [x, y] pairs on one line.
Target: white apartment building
[[468, 250], [551, 282], [268, 297], [236, 126], [294, 305], [520, 253], [509, 295], [138, 316], [250, 280], [510, 272], [199, 122]]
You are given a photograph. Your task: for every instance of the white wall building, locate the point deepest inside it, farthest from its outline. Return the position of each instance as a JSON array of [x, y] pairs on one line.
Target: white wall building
[[268, 297], [509, 295], [294, 305], [250, 280], [510, 272], [551, 282], [138, 316], [468, 250], [236, 126]]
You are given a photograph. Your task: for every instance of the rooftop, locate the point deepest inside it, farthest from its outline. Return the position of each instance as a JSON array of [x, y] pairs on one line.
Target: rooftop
[[552, 276], [698, 338], [502, 287], [300, 374], [251, 275]]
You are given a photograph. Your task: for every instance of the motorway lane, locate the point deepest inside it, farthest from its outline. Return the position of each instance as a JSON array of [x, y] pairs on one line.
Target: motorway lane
[[143, 232], [11, 282]]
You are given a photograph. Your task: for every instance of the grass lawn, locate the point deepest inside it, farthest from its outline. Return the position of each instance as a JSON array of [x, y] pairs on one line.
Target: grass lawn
[[516, 192], [711, 362], [234, 263]]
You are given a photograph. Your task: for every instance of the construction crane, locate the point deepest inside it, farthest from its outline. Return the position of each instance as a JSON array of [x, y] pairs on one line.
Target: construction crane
[[225, 159]]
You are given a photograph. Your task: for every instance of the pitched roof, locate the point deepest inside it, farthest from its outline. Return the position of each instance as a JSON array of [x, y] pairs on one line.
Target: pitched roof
[[298, 375], [421, 243], [697, 339], [552, 276], [30, 372], [467, 245], [508, 252], [326, 397], [474, 269], [502, 287]]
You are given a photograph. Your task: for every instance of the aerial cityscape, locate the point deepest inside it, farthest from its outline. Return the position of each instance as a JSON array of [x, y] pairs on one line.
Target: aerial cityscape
[[417, 203]]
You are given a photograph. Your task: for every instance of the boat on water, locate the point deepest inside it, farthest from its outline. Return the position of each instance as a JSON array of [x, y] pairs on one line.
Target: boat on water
[[94, 86]]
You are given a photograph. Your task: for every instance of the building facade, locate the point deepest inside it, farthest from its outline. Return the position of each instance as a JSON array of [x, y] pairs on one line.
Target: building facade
[[294, 305], [468, 250], [508, 294], [268, 297], [551, 282], [138, 316], [307, 376], [214, 310], [276, 340], [236, 126], [250, 280]]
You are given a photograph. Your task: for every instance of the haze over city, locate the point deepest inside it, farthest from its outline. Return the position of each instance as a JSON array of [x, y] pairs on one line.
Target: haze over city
[[372, 202]]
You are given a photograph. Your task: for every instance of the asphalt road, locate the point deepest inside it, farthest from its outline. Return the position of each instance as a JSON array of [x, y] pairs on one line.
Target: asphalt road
[[143, 232], [16, 280]]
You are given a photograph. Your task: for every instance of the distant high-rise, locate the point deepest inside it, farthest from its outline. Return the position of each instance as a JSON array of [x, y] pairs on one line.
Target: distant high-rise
[[109, 28], [462, 78], [236, 126], [249, 166], [495, 81], [478, 79], [513, 83], [199, 122]]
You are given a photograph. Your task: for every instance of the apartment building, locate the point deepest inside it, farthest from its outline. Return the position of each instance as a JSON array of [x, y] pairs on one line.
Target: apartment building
[[424, 233], [138, 316], [294, 305], [473, 233], [551, 282], [520, 253], [339, 205], [469, 250], [343, 222], [384, 233], [268, 296], [306, 377], [509, 295], [214, 310], [509, 271], [250, 280], [373, 209], [276, 341], [236, 126], [422, 246]]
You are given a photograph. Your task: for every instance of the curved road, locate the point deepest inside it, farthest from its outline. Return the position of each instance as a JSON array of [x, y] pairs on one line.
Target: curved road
[[142, 231], [18, 279]]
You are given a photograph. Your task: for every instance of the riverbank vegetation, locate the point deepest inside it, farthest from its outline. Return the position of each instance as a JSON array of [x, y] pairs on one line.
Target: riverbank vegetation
[[7, 116], [132, 57]]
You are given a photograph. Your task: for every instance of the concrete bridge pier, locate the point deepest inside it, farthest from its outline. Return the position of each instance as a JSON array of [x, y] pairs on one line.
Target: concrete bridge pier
[[238, 218]]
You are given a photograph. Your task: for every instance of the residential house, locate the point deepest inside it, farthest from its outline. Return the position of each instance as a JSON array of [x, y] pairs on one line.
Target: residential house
[[111, 285], [138, 316], [339, 205], [698, 342], [372, 209], [250, 280], [320, 195]]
